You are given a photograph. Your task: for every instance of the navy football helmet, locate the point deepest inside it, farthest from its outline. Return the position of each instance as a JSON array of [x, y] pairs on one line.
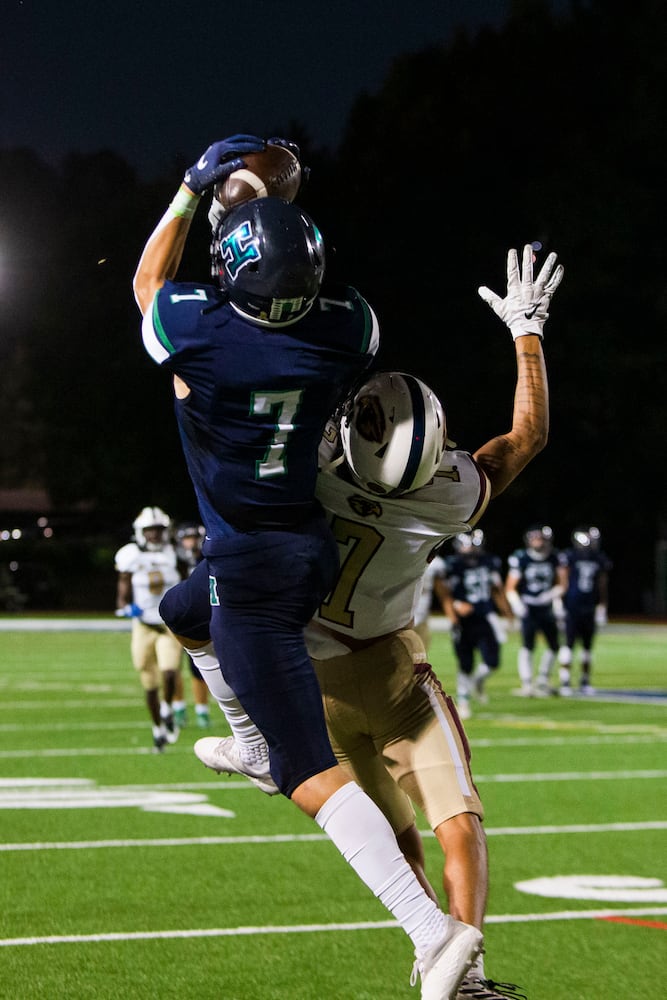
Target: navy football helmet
[[268, 256], [468, 541], [586, 538], [538, 539]]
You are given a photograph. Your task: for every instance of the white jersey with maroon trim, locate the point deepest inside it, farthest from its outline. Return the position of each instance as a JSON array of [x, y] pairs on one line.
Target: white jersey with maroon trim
[[384, 545], [153, 573]]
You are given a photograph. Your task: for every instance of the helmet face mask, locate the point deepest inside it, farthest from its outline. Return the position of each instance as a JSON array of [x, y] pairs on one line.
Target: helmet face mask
[[268, 256], [539, 540], [151, 517], [393, 434]]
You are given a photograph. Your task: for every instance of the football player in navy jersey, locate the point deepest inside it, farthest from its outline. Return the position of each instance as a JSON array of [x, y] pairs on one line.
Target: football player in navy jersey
[[470, 591], [585, 603], [259, 362], [535, 580]]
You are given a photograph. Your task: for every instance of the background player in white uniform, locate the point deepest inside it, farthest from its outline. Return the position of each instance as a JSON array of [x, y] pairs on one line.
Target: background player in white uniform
[[390, 724], [146, 570]]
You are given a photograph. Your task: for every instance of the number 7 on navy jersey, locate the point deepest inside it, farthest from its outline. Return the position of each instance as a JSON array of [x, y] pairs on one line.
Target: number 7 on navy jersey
[[283, 406]]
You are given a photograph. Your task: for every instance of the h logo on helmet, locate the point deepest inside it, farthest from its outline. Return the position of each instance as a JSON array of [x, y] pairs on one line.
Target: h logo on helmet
[[239, 249]]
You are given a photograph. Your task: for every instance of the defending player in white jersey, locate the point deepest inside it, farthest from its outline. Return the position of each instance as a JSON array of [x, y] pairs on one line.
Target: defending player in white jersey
[[396, 495]]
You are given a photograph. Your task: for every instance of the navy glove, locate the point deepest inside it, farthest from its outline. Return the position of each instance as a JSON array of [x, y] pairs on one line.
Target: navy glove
[[220, 160]]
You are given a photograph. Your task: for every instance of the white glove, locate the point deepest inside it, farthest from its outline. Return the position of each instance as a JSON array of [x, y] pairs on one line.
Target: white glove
[[516, 604], [525, 308], [559, 610], [600, 615], [499, 625]]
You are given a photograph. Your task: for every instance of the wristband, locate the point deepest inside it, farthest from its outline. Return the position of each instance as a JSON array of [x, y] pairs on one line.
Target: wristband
[[184, 204]]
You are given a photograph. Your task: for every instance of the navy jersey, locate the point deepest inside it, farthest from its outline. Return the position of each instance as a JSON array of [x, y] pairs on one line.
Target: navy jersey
[[537, 576], [585, 567], [471, 578], [259, 398]]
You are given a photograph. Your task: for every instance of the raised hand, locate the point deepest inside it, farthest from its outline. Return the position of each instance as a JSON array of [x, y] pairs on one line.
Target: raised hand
[[525, 308]]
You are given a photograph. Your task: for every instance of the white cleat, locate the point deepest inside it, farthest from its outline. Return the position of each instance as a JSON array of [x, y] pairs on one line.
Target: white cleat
[[443, 968], [223, 757]]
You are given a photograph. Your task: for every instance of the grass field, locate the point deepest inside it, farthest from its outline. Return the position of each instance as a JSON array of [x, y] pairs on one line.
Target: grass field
[[127, 875]]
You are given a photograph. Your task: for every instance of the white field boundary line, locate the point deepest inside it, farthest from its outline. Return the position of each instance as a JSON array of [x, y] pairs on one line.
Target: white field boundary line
[[209, 932], [320, 838]]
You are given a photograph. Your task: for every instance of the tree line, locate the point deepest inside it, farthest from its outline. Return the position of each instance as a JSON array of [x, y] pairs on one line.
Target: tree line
[[550, 129]]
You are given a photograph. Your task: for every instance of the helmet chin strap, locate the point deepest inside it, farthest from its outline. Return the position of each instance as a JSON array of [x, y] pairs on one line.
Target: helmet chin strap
[[333, 464]]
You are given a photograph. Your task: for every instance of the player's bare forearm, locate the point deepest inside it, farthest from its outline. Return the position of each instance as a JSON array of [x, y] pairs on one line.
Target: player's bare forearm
[[503, 458], [160, 259]]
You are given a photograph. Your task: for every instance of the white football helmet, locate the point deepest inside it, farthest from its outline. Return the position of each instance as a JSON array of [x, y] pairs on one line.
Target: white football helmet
[[151, 517], [393, 434]]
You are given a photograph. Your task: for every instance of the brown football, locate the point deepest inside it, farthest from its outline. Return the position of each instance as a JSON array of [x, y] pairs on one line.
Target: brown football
[[275, 172]]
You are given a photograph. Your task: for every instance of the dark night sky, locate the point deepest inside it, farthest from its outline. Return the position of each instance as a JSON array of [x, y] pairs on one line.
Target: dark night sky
[[151, 79]]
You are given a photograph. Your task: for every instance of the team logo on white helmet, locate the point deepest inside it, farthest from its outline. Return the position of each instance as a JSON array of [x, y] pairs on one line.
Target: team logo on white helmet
[[151, 517], [393, 434]]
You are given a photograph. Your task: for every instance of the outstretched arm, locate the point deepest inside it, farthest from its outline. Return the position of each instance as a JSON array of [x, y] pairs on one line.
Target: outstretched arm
[[524, 310], [164, 249]]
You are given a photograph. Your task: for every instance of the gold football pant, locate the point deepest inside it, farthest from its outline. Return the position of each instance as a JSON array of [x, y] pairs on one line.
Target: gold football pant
[[396, 732]]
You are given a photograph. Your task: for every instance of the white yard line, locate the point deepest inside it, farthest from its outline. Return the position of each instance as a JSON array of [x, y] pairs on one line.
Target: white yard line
[[208, 932], [311, 838]]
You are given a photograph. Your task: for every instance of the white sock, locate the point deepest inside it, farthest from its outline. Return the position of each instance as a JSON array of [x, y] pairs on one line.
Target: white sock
[[477, 967], [482, 671], [252, 745], [565, 656], [525, 666], [463, 685], [546, 663], [365, 839], [165, 709]]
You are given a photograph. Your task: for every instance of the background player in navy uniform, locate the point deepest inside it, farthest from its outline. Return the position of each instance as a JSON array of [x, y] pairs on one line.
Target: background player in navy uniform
[[585, 604], [259, 363], [534, 581], [470, 591]]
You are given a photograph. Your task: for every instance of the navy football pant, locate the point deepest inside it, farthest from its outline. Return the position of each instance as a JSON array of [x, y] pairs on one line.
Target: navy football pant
[[267, 587], [475, 632]]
